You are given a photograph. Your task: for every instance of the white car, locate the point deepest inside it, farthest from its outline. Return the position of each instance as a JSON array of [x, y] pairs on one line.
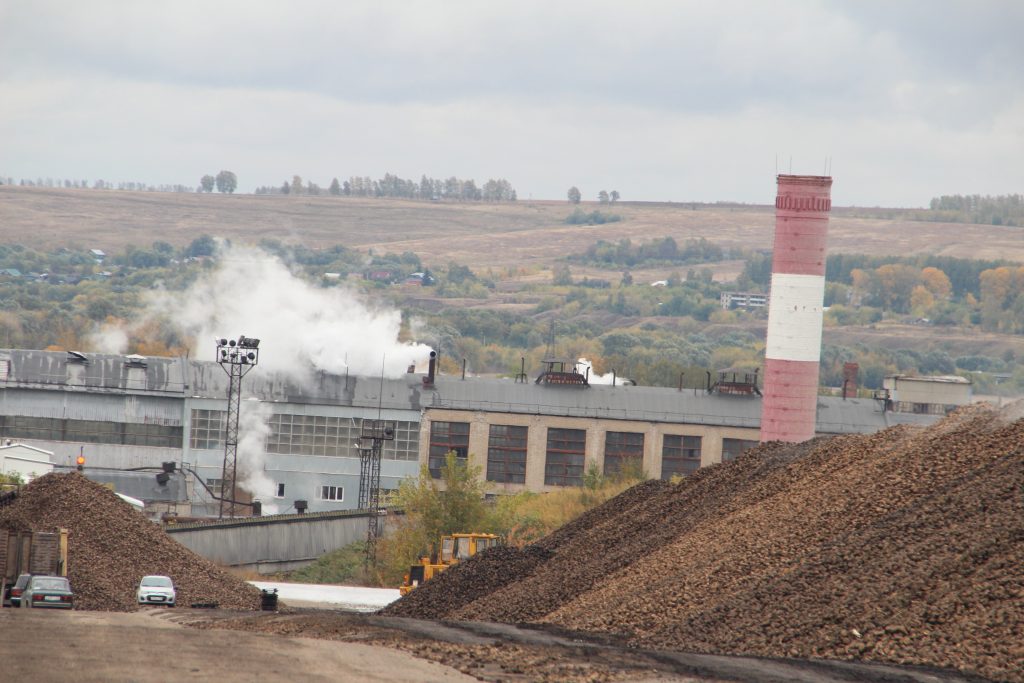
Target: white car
[[156, 590]]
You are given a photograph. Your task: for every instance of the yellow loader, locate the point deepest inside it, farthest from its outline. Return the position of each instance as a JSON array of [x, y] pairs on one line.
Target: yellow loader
[[454, 549]]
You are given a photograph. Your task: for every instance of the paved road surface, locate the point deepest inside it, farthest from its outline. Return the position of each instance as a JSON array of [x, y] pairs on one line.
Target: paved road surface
[[355, 598]]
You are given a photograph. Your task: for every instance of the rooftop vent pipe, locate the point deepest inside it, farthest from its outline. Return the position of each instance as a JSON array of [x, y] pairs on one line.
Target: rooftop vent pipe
[[428, 381]]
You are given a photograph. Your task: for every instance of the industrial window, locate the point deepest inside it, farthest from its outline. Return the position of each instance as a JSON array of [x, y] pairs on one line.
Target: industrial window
[[215, 485], [90, 431], [679, 455], [734, 448], [445, 437], [335, 493], [506, 454], [623, 451], [335, 436], [566, 453], [406, 445], [280, 491], [207, 432]]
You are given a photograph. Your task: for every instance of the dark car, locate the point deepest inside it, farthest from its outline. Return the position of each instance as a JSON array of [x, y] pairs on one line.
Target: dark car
[[48, 591], [12, 596]]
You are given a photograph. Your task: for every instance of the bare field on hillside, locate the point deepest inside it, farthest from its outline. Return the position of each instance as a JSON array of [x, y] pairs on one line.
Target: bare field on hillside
[[526, 234]]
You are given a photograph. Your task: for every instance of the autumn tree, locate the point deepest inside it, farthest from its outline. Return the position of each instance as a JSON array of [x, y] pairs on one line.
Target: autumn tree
[[936, 282], [1002, 299], [574, 195], [892, 284], [434, 508]]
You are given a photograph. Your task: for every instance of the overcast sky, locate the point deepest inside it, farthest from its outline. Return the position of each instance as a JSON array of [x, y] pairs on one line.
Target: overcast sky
[[660, 100]]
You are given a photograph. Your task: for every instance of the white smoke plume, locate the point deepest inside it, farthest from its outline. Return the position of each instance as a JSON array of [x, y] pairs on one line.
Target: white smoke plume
[[301, 327], [250, 473], [584, 366]]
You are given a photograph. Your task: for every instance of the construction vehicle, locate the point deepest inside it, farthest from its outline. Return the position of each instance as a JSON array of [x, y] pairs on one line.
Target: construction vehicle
[[454, 549]]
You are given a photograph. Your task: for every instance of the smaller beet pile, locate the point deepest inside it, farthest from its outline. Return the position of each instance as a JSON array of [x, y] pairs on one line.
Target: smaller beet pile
[[111, 547]]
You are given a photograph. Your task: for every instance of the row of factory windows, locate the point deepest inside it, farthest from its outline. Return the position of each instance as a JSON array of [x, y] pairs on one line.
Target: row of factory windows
[[289, 434], [565, 454], [90, 431], [307, 435]]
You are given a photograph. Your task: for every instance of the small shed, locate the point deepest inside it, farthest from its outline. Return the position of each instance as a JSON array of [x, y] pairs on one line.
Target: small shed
[[28, 461]]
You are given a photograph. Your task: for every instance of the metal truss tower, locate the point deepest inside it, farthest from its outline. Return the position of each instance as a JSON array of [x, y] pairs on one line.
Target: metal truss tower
[[371, 442], [237, 357]]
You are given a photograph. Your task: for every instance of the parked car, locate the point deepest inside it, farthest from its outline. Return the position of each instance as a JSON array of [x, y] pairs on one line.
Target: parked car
[[156, 590], [48, 591], [12, 594]]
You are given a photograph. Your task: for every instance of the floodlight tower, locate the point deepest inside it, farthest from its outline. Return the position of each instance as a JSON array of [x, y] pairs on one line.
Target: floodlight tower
[[237, 357], [372, 436]]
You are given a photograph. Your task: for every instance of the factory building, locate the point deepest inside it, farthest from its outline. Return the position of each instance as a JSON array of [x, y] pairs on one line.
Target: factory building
[[135, 414]]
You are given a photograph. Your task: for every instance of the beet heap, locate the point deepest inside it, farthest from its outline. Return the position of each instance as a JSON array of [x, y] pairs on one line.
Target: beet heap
[[904, 546], [111, 547]]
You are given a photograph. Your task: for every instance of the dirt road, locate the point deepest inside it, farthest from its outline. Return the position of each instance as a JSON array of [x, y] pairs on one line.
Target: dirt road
[[50, 647], [156, 645]]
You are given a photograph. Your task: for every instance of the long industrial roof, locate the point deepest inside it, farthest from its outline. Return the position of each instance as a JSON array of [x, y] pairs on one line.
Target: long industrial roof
[[185, 378]]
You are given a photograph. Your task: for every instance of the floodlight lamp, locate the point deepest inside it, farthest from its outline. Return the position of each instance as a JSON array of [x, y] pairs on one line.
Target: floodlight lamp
[[223, 342], [232, 342], [251, 355]]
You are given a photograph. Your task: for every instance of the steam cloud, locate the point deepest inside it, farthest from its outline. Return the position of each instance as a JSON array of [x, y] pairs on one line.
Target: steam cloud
[[302, 328], [253, 430], [585, 367]]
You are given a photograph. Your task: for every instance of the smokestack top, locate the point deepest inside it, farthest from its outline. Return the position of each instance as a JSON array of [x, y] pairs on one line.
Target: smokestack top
[[823, 180]]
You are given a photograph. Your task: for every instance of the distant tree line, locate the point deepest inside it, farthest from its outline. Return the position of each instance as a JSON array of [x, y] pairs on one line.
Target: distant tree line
[[226, 182], [76, 184], [595, 217], [575, 196], [974, 208], [391, 186], [1001, 209], [626, 254]]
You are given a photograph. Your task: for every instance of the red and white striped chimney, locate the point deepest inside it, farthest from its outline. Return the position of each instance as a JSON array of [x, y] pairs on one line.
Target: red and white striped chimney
[[793, 351]]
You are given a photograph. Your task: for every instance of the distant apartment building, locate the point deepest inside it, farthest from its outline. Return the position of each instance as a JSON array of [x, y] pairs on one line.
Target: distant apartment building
[[745, 300]]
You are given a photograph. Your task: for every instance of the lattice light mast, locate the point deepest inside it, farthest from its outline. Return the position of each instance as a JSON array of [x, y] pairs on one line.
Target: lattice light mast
[[237, 357], [371, 442]]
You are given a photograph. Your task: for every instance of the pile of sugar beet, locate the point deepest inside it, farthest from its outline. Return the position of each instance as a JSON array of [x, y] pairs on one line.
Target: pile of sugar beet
[[904, 546], [111, 547]]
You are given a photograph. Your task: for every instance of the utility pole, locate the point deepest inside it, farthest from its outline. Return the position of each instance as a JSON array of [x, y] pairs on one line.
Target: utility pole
[[237, 357]]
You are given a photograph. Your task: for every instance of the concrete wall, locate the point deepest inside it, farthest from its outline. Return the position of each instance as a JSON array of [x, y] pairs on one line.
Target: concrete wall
[[272, 544]]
